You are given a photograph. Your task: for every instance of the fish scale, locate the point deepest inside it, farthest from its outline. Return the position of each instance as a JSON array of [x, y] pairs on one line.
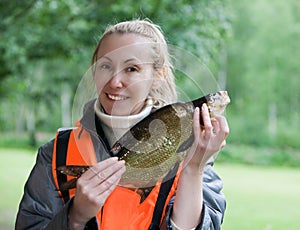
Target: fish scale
[[155, 153], [164, 139]]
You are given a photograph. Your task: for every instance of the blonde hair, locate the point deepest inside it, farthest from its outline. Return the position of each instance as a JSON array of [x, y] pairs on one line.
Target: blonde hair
[[165, 93]]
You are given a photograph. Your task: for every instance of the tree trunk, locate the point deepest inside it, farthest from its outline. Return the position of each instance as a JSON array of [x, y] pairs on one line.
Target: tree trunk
[[66, 105]]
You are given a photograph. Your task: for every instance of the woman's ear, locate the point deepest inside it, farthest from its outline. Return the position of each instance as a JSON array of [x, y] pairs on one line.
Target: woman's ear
[[159, 76]]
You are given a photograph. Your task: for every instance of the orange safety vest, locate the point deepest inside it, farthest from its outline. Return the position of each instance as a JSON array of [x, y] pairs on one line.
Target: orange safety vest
[[122, 209]]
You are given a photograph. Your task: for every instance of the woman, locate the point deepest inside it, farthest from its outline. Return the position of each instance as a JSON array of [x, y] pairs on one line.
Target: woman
[[133, 75]]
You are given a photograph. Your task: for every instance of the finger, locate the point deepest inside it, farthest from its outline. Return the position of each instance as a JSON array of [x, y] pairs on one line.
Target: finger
[[111, 182], [98, 184], [105, 174], [223, 125], [223, 144], [99, 167], [109, 171], [222, 131], [206, 120], [196, 126], [216, 126], [104, 191]]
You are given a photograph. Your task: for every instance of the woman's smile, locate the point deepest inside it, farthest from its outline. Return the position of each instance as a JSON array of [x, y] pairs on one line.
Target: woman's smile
[[116, 97]]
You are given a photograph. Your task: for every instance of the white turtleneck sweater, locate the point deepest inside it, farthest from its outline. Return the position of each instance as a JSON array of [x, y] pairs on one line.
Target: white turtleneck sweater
[[115, 126]]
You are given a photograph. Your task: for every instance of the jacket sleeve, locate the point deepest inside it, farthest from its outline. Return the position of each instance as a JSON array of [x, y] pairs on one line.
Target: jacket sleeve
[[214, 202], [41, 207]]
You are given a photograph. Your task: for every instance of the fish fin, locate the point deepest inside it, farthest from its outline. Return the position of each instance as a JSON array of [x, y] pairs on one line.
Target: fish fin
[[68, 185], [65, 170], [186, 144], [73, 170]]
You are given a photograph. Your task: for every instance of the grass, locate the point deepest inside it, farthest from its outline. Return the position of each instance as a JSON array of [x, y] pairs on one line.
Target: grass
[[258, 197], [15, 168]]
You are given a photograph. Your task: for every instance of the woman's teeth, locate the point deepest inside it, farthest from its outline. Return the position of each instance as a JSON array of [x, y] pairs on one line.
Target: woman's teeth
[[116, 98]]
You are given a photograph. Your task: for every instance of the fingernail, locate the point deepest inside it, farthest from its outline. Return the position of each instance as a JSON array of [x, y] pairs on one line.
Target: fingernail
[[121, 162]]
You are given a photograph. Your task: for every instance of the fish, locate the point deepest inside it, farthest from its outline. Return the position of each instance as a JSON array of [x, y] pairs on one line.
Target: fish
[[71, 170], [153, 146]]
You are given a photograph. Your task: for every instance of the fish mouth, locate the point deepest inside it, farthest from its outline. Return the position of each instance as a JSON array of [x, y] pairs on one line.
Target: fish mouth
[[116, 97], [225, 102], [225, 98], [218, 102]]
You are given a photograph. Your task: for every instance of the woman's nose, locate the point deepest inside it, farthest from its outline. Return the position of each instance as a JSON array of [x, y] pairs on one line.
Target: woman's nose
[[116, 80]]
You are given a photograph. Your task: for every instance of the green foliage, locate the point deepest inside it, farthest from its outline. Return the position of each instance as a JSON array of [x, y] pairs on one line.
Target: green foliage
[[263, 73], [24, 141], [47, 45], [263, 156]]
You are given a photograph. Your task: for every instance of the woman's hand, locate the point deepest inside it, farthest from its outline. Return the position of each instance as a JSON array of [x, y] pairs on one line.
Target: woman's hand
[[207, 140], [92, 190]]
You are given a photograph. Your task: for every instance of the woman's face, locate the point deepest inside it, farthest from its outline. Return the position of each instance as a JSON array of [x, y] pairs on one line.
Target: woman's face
[[124, 73]]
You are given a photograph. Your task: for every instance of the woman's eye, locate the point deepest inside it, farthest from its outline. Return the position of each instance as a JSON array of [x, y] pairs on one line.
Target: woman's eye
[[105, 67], [131, 69]]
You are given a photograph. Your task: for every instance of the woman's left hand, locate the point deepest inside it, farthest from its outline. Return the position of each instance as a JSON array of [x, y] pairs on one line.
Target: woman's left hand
[[208, 140]]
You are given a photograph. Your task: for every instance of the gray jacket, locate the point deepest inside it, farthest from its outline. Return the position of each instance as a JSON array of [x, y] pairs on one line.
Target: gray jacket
[[42, 208]]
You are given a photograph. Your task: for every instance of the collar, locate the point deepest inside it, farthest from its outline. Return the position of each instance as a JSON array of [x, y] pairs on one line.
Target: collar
[[122, 122]]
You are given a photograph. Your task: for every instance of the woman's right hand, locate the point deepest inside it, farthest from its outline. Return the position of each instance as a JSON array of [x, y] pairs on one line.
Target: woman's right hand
[[92, 190]]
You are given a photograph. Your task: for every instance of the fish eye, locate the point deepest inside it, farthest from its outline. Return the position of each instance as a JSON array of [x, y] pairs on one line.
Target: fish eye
[[211, 100]]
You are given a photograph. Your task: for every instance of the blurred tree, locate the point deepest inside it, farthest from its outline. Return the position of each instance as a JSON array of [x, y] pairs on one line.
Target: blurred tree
[[47, 44], [263, 72]]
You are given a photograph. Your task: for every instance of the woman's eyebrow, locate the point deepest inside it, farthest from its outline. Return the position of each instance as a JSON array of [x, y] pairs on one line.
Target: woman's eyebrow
[[130, 59], [105, 57], [139, 61]]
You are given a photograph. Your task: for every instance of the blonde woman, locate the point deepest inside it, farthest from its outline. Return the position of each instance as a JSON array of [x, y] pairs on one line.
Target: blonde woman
[[133, 76]]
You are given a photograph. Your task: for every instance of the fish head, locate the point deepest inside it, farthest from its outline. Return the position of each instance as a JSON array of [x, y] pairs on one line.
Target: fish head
[[217, 102]]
